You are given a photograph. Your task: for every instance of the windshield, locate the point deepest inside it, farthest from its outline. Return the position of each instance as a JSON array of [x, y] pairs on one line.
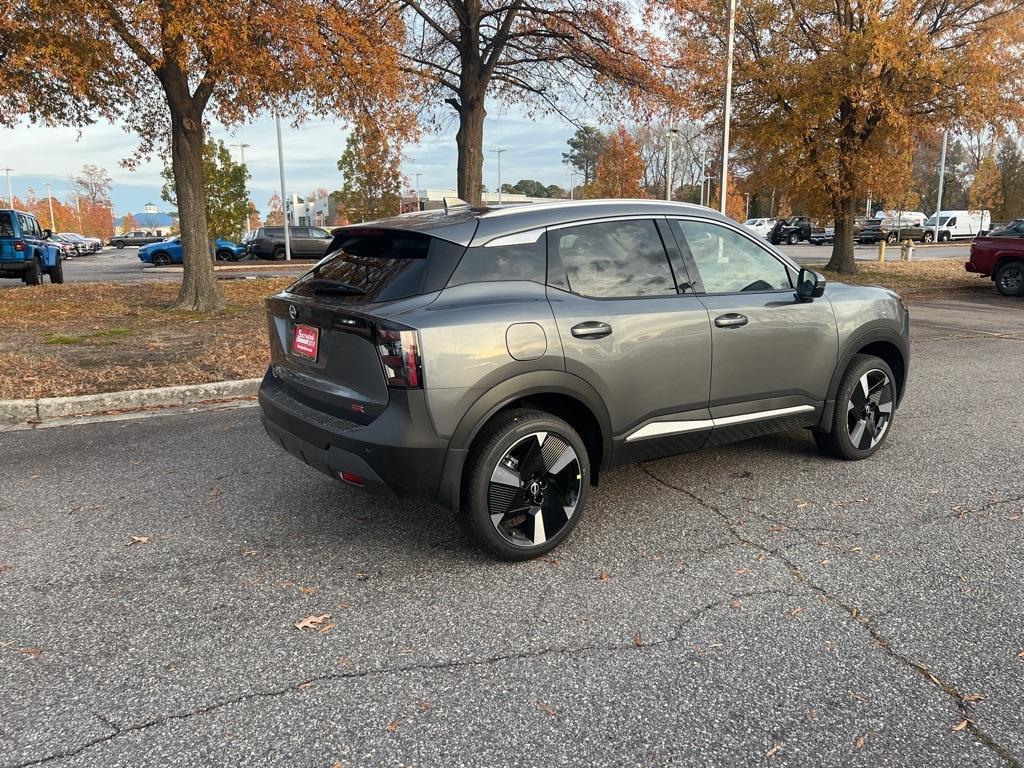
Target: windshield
[[371, 265], [930, 221]]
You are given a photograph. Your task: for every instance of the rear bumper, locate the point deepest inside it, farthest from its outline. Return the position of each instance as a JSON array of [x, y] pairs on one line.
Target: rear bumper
[[396, 454], [970, 266], [13, 267]]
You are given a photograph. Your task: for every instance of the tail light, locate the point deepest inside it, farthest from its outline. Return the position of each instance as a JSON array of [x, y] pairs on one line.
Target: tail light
[[399, 349], [19, 245]]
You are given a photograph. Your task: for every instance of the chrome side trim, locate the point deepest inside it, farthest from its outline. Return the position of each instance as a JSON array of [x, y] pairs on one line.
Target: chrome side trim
[[743, 418], [660, 428], [663, 428]]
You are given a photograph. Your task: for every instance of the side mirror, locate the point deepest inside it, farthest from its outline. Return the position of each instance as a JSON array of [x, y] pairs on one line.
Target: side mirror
[[809, 285], [47, 234]]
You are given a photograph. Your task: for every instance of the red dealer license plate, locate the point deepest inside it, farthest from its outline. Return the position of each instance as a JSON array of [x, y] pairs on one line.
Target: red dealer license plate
[[305, 341]]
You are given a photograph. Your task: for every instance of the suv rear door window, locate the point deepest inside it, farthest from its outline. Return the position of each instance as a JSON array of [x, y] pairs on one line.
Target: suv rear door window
[[6, 225], [728, 262], [613, 259], [375, 265]]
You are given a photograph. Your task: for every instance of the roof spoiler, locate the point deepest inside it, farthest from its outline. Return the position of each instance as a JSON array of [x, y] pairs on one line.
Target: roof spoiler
[[453, 202]]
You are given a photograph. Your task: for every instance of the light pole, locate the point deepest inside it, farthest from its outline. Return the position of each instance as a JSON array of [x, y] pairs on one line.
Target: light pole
[[727, 107], [10, 194], [49, 200], [703, 172], [241, 151], [419, 207], [746, 214], [499, 152], [942, 178], [280, 168], [572, 184], [668, 164]]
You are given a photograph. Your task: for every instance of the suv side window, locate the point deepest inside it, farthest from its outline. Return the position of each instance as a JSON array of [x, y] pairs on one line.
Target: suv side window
[[612, 259], [509, 261], [319, 233], [728, 262], [29, 228]]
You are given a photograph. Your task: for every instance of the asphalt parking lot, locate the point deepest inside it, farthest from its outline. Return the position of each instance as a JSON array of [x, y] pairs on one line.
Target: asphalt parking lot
[[752, 604]]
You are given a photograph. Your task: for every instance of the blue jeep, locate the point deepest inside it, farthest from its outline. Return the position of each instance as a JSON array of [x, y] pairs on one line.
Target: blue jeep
[[169, 251], [25, 250]]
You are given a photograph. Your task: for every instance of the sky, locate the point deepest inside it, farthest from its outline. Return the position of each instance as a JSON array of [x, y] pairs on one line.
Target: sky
[[39, 154]]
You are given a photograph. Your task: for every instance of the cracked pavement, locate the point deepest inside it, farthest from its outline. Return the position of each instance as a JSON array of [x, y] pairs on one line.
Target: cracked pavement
[[763, 604]]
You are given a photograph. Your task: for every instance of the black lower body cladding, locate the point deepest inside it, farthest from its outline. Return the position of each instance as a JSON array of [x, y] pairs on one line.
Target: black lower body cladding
[[398, 453]]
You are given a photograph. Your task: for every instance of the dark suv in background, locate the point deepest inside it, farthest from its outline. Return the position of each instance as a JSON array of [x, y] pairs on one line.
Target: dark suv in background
[[306, 243], [499, 359]]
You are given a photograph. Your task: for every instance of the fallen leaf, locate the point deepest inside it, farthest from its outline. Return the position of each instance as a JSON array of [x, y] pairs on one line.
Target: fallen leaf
[[424, 705], [305, 685], [961, 725], [546, 709], [736, 603], [35, 653], [638, 641], [795, 611], [312, 622], [775, 748], [742, 571], [393, 726], [138, 540], [4, 568], [602, 576], [974, 698], [345, 661], [327, 628], [308, 590], [825, 562], [346, 606], [363, 576], [856, 549], [1020, 654], [406, 651], [249, 552], [859, 742]]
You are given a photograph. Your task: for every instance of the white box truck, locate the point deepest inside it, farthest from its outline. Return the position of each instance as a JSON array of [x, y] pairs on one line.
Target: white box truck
[[957, 225]]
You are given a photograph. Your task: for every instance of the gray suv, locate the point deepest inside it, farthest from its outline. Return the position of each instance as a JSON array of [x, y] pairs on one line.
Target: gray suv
[[498, 360]]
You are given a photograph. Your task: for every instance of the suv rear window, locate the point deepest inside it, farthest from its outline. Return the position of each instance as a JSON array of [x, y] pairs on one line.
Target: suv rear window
[[371, 265], [6, 225]]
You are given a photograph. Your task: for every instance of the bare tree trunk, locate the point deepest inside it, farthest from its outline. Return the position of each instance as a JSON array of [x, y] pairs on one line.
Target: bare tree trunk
[[470, 143], [199, 291], [844, 212]]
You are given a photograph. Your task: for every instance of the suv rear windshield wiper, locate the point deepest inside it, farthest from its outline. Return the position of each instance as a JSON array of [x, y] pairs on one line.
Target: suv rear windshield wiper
[[323, 285]]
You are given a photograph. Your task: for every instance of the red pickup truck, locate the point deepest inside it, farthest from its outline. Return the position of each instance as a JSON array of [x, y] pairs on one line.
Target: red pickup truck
[[1001, 258]]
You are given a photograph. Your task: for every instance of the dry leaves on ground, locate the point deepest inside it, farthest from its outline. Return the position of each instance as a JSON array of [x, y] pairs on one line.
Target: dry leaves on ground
[[313, 622]]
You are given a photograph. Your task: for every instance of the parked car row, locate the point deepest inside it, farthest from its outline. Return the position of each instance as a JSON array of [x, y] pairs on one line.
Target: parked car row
[[169, 251], [269, 243]]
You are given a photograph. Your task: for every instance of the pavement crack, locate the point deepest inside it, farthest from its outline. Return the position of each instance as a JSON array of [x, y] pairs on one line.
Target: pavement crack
[[867, 623], [632, 645]]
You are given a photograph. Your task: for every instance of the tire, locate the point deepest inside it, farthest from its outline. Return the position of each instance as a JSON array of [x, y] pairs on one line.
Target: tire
[[891, 238], [861, 424], [160, 259], [793, 238], [1009, 279], [225, 256], [928, 237], [118, 243], [943, 237], [279, 253], [34, 274], [56, 273], [526, 484]]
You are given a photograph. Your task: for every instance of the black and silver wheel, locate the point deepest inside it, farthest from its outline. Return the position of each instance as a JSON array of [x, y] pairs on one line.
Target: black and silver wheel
[[1010, 279], [33, 274], [160, 259], [526, 485], [793, 238], [891, 238], [56, 272], [865, 404], [928, 237], [223, 255]]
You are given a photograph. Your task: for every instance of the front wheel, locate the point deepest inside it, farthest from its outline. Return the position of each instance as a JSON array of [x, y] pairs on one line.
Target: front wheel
[[225, 256], [33, 273], [1010, 279], [891, 238], [928, 237], [865, 403], [526, 484], [160, 259], [793, 239]]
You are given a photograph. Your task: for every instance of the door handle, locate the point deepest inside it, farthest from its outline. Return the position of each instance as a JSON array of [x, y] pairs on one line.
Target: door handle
[[592, 329], [731, 320]]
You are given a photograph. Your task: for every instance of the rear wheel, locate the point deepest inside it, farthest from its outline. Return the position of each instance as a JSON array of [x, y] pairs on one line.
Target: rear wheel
[[160, 259], [223, 255], [279, 253], [928, 237], [56, 272], [526, 484], [891, 238], [793, 238], [33, 273], [1010, 279], [118, 243], [865, 403]]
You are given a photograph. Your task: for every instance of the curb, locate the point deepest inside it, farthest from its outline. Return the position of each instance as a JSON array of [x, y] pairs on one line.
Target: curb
[[45, 408]]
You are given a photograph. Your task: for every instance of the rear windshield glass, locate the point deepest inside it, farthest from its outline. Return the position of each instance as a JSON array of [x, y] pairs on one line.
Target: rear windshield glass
[[369, 266], [6, 225]]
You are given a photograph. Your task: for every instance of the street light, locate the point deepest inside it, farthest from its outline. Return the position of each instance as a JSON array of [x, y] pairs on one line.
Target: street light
[[280, 168], [572, 184], [10, 194], [241, 150], [49, 200], [419, 207], [498, 152], [668, 164], [942, 178], [727, 110]]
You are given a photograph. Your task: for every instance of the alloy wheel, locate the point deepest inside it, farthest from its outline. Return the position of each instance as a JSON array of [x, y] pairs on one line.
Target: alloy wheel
[[534, 489], [870, 409], [1011, 279]]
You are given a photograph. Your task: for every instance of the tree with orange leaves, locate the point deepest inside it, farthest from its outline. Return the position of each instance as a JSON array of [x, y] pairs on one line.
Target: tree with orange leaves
[[620, 168], [551, 55], [128, 223], [829, 96], [165, 68]]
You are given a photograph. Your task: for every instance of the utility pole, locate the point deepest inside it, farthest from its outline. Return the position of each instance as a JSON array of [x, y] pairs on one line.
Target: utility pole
[[746, 214], [241, 151], [10, 194], [942, 178], [49, 200], [703, 172], [498, 152], [727, 108], [419, 206], [572, 184], [284, 207]]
